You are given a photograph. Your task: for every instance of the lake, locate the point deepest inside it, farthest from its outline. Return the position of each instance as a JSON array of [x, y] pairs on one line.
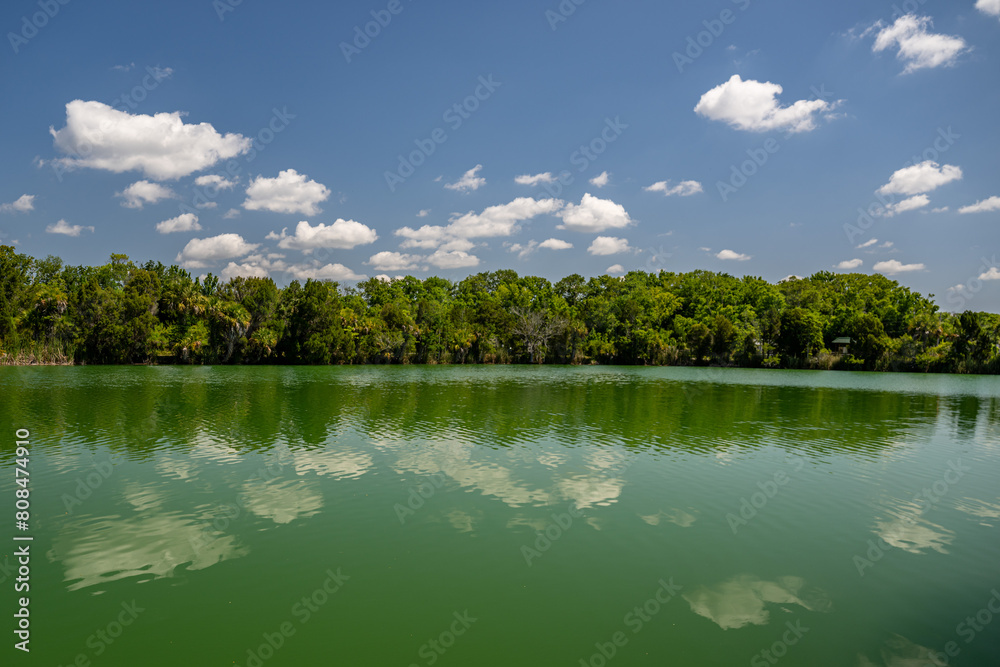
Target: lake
[[504, 516]]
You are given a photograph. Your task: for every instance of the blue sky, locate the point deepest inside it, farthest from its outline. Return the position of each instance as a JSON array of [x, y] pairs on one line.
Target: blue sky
[[762, 138]]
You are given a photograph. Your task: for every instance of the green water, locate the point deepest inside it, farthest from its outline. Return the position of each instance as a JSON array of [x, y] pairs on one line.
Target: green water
[[398, 516]]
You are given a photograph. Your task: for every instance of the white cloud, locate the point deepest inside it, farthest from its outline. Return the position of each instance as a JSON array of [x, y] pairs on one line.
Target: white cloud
[[254, 266], [992, 274], [144, 192], [162, 146], [342, 234], [453, 259], [424, 213], [527, 179], [186, 222], [918, 48], [501, 220], [289, 192], [231, 213], [732, 255], [22, 204], [894, 266], [215, 181], [394, 261], [522, 250], [910, 204], [608, 245], [199, 253], [920, 178], [600, 180], [470, 181], [868, 243], [754, 106], [428, 236], [315, 271], [849, 264], [555, 244], [991, 7], [593, 215], [941, 209], [991, 204], [207, 204], [615, 268], [63, 227], [683, 189]]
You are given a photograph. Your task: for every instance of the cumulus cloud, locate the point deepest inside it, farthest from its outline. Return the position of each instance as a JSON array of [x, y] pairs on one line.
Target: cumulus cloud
[[394, 261], [494, 221], [143, 192], [254, 266], [600, 180], [527, 179], [522, 249], [315, 271], [22, 204], [555, 244], [608, 245], [289, 192], [683, 189], [868, 243], [161, 146], [186, 222], [469, 182], [894, 266], [342, 234], [423, 213], [991, 7], [231, 213], [910, 204], [615, 269], [753, 106], [849, 264], [214, 181], [63, 227], [919, 178], [918, 48], [986, 205], [453, 259], [593, 215], [501, 220], [992, 274], [200, 253], [732, 255]]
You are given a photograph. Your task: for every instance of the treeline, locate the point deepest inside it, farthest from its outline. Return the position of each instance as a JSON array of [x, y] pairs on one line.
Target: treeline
[[122, 313]]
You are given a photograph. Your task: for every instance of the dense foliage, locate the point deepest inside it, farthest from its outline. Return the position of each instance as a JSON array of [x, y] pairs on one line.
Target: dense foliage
[[124, 313]]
